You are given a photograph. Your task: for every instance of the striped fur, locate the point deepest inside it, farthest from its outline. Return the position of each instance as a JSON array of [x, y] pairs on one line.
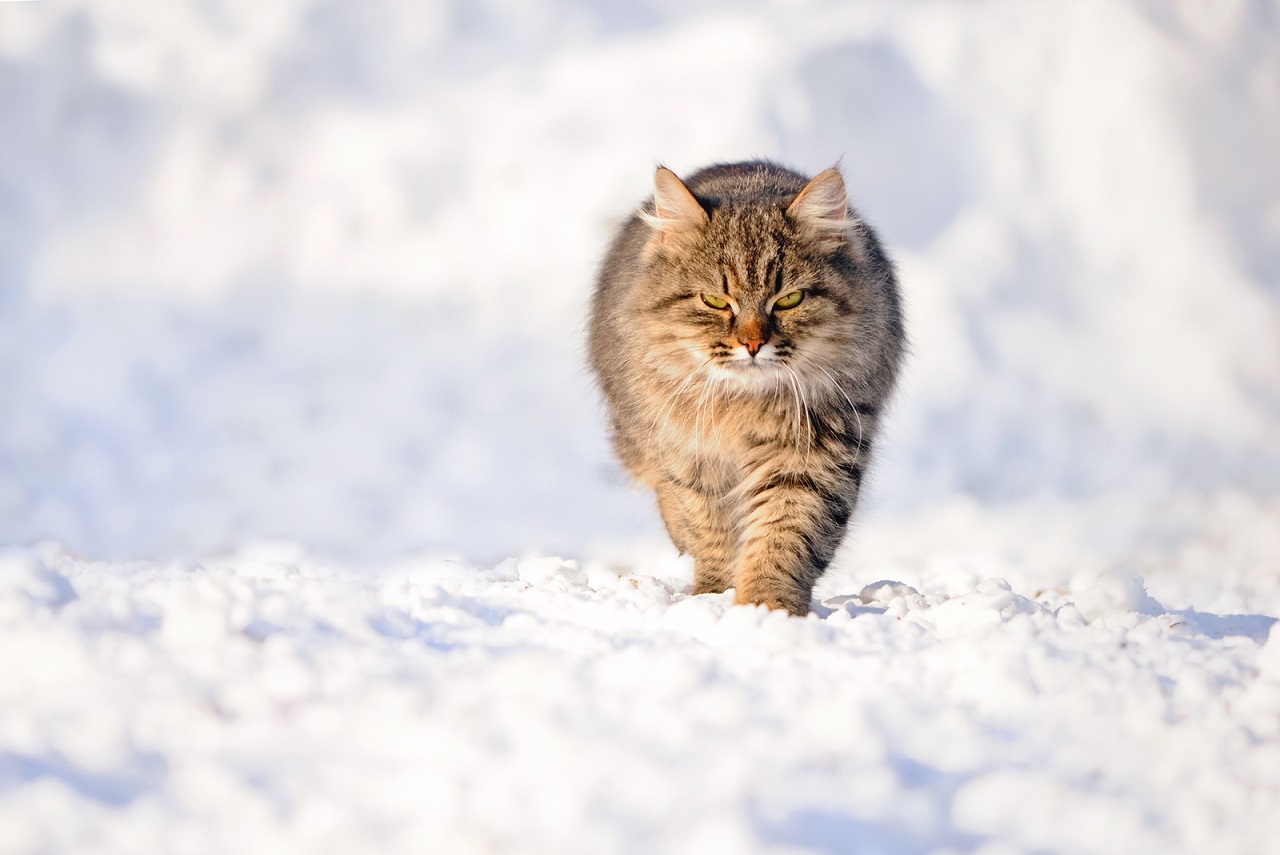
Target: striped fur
[[757, 460]]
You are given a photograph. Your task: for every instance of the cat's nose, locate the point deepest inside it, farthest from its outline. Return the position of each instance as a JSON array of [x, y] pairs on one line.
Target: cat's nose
[[752, 345]]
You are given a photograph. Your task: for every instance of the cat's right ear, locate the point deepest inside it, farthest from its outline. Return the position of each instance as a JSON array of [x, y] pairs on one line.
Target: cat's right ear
[[676, 211]]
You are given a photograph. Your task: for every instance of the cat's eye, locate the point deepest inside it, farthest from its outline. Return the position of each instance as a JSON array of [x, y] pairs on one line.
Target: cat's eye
[[789, 300], [715, 302]]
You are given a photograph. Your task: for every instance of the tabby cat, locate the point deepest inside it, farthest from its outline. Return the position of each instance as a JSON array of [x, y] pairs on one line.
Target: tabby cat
[[746, 330]]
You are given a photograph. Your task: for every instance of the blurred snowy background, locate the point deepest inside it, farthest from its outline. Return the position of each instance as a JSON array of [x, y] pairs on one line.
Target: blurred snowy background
[[318, 270]]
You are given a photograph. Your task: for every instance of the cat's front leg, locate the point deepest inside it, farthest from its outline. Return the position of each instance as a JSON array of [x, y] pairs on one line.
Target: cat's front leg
[[794, 518], [700, 526]]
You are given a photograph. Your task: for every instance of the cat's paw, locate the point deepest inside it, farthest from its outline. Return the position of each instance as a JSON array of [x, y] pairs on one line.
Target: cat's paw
[[787, 601]]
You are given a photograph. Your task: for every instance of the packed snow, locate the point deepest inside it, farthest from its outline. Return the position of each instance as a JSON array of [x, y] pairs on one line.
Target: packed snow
[[311, 539]]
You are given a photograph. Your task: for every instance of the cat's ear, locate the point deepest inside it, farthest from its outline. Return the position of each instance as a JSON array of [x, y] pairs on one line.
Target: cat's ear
[[822, 208], [823, 204], [676, 211]]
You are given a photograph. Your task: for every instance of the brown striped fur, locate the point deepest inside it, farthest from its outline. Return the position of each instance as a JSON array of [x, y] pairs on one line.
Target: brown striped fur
[[756, 459]]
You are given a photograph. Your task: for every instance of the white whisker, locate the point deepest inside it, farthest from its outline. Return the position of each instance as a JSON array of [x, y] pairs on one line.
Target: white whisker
[[836, 384], [668, 406], [804, 405], [795, 415]]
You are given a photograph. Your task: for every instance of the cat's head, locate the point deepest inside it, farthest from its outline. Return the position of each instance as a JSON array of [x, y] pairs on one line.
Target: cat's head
[[753, 289]]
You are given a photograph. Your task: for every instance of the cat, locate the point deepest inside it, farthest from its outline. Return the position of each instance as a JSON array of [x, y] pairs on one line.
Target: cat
[[746, 331]]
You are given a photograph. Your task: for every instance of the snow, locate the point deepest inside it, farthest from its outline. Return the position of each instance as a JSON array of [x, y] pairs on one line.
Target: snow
[[269, 701], [310, 538]]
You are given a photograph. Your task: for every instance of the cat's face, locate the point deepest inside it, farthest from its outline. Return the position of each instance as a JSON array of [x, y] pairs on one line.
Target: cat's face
[[753, 297]]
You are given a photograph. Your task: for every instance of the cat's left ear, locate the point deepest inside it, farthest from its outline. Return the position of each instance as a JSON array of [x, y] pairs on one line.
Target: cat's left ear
[[673, 202], [677, 213], [822, 208]]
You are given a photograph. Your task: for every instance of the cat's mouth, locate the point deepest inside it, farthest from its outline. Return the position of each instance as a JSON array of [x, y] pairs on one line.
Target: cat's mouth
[[762, 368], [768, 355]]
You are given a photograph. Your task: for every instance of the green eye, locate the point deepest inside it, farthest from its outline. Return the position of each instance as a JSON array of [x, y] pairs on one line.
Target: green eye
[[789, 300], [715, 302]]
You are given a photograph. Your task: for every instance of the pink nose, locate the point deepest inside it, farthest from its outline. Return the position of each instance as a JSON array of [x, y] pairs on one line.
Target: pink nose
[[752, 345]]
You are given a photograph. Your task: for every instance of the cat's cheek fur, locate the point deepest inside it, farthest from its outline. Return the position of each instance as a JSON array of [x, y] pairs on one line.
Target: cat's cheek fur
[[757, 462]]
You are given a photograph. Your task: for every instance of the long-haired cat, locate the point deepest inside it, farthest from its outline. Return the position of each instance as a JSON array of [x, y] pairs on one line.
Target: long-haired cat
[[746, 330]]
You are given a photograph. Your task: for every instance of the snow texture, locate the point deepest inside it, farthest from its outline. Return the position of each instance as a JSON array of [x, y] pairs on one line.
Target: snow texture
[[291, 307]]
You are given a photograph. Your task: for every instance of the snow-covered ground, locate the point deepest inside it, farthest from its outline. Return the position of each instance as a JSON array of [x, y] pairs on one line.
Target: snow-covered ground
[[291, 305], [271, 702]]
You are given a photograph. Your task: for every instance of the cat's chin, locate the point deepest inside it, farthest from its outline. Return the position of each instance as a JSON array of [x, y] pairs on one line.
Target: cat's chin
[[756, 375]]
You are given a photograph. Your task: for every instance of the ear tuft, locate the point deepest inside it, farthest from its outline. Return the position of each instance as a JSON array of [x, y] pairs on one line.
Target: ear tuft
[[675, 208], [823, 204]]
